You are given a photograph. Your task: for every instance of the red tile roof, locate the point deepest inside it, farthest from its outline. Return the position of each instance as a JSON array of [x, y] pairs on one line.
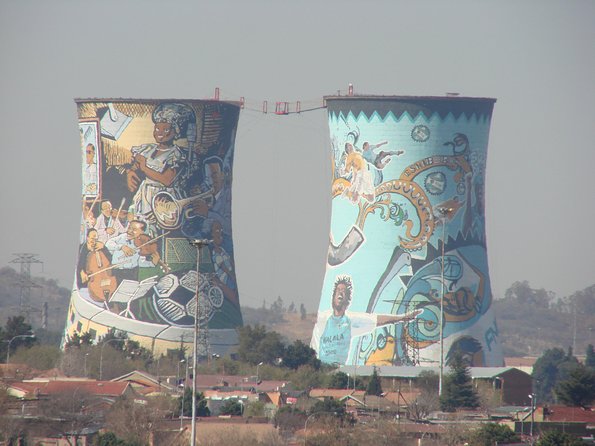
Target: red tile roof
[[103, 388], [402, 398], [565, 413], [331, 393]]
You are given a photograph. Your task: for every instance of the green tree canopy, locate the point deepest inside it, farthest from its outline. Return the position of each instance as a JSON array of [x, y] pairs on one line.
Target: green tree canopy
[[492, 433], [557, 438], [185, 401], [590, 359], [550, 368], [578, 389], [338, 380], [374, 385], [257, 345], [231, 407], [111, 439], [330, 406], [457, 388], [298, 354], [78, 340]]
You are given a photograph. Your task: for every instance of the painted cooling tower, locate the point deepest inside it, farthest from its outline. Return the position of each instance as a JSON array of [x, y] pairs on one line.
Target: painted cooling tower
[[408, 174], [156, 174]]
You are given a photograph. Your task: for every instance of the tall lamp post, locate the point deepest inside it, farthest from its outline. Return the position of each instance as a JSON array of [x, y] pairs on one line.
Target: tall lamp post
[[101, 354], [533, 405], [197, 243], [443, 212], [32, 336]]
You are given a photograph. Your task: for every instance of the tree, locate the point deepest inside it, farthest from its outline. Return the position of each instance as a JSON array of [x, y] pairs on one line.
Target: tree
[[78, 340], [135, 421], [306, 377], [590, 359], [201, 404], [254, 409], [303, 313], [374, 385], [298, 354], [457, 388], [39, 357], [492, 433], [111, 439], [578, 389], [524, 294], [257, 345], [330, 406], [550, 368], [557, 438], [289, 419], [338, 380], [427, 401], [16, 326], [231, 407], [64, 412]]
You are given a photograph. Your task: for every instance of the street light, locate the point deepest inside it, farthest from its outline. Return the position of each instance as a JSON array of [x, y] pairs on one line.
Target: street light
[[32, 336], [101, 355], [197, 243], [443, 212], [85, 367], [257, 375]]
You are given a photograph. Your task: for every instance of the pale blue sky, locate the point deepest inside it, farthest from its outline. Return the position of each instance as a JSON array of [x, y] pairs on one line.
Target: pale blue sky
[[535, 57]]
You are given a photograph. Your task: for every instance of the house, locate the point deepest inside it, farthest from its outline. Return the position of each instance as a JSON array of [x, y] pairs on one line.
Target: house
[[523, 363], [511, 384], [217, 398], [145, 384], [338, 394], [370, 405], [34, 389]]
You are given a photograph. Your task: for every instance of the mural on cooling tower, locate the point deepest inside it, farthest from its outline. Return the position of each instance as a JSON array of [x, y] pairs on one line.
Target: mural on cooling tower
[[395, 163], [155, 173]]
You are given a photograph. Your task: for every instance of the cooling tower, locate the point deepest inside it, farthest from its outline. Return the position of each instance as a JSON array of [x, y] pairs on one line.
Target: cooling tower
[[407, 236], [156, 173]]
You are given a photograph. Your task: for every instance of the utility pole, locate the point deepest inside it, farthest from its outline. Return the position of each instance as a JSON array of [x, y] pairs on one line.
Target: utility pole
[[443, 213], [197, 243], [26, 259]]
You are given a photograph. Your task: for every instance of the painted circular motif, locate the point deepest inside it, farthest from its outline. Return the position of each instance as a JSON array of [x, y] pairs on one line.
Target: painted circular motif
[[216, 296], [435, 183], [420, 133]]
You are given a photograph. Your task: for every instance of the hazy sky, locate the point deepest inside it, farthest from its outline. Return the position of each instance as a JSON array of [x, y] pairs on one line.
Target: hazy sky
[[536, 57]]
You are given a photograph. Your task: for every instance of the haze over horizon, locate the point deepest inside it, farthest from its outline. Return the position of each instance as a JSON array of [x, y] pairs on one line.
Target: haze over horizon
[[534, 57]]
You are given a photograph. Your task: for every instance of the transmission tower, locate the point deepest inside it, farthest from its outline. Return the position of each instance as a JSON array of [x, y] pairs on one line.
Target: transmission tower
[[26, 259]]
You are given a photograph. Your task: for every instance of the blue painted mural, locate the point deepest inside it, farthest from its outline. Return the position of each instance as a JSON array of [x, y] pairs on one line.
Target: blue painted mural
[[407, 233]]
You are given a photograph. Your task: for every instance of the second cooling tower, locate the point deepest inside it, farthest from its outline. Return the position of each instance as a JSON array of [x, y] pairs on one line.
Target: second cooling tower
[[407, 273]]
